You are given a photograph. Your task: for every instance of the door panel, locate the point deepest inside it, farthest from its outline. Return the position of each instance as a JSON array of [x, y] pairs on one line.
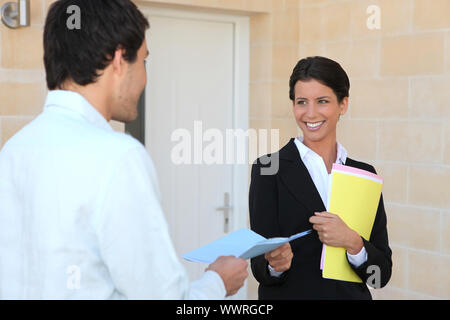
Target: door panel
[[190, 85]]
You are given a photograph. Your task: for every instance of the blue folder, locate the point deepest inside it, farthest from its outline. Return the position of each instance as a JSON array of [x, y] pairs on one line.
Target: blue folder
[[243, 243]]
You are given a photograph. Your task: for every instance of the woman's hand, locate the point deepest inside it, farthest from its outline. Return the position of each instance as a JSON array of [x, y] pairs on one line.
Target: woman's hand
[[280, 259], [334, 232]]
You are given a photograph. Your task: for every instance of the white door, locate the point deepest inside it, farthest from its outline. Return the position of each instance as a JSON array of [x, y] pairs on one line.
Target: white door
[[197, 81]]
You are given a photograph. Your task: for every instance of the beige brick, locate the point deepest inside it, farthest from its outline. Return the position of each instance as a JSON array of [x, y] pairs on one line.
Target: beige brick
[[203, 3], [428, 274], [17, 45], [309, 3], [412, 55], [10, 126], [260, 63], [281, 104], [278, 5], [447, 52], [117, 126], [415, 141], [258, 5], [385, 98], [445, 232], [395, 181], [260, 99], [340, 52], [311, 28], [288, 129], [284, 59], [359, 137], [23, 76], [260, 124], [431, 16], [260, 28], [414, 227], [286, 27], [428, 186], [367, 66], [48, 3], [399, 277], [395, 17], [393, 293], [447, 144], [430, 98], [292, 4], [336, 21], [389, 293], [359, 17], [311, 50], [231, 4], [21, 98]]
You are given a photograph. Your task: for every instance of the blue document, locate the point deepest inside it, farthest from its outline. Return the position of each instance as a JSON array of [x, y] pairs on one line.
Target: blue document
[[242, 243]]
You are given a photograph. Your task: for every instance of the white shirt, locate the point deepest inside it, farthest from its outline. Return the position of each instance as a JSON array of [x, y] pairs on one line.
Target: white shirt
[[80, 214], [322, 180]]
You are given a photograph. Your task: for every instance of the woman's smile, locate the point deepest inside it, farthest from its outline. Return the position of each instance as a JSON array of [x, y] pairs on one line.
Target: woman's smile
[[314, 126]]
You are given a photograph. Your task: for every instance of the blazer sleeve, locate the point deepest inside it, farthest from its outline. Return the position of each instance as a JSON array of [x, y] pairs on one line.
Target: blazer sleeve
[[379, 254], [263, 207]]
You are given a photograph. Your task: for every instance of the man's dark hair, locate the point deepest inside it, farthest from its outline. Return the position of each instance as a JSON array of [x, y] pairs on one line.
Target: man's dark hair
[[79, 54], [323, 70]]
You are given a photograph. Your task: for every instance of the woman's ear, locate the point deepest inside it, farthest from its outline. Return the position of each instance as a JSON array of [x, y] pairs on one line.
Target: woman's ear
[[343, 106]]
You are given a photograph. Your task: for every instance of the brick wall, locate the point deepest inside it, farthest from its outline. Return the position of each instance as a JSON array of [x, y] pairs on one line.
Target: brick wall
[[398, 121]]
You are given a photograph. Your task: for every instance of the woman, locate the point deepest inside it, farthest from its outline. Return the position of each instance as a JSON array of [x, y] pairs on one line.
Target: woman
[[293, 199]]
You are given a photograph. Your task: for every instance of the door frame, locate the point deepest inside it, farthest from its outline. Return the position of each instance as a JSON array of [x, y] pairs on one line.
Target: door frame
[[240, 107]]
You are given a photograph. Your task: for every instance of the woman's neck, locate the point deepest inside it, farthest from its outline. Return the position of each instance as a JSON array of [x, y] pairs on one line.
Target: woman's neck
[[326, 148]]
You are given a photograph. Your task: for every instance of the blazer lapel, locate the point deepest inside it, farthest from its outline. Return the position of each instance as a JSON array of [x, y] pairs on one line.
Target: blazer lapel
[[295, 176]]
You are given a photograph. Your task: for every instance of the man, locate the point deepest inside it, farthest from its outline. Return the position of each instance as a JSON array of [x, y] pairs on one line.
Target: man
[[80, 216]]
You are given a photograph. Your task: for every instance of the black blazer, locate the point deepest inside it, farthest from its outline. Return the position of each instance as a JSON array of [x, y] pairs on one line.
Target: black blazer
[[280, 205]]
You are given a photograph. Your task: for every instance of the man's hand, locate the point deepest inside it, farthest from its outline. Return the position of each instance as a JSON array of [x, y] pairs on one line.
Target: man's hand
[[280, 259], [233, 272], [334, 232]]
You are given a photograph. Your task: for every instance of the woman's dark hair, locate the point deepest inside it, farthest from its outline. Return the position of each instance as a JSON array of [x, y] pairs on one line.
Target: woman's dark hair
[[323, 70], [78, 54]]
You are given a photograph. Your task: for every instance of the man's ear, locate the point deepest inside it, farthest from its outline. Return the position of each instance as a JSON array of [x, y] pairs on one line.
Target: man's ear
[[118, 62]]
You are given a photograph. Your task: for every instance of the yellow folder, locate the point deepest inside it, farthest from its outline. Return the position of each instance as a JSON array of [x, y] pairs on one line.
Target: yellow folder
[[354, 197]]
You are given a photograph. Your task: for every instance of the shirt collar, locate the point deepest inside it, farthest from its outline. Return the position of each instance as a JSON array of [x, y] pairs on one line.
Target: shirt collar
[[75, 102], [304, 151]]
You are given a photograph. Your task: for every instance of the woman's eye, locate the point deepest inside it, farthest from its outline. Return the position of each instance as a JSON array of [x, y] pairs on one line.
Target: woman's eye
[[301, 102], [323, 101]]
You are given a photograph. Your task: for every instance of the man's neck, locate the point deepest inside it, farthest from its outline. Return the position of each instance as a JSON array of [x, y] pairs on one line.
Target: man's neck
[[91, 94]]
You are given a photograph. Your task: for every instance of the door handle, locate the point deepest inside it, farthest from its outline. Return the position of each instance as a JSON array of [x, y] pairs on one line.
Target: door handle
[[226, 208]]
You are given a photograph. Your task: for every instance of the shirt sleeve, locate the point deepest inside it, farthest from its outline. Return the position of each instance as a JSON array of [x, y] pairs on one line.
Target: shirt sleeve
[[358, 259], [134, 238], [274, 273], [209, 286]]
